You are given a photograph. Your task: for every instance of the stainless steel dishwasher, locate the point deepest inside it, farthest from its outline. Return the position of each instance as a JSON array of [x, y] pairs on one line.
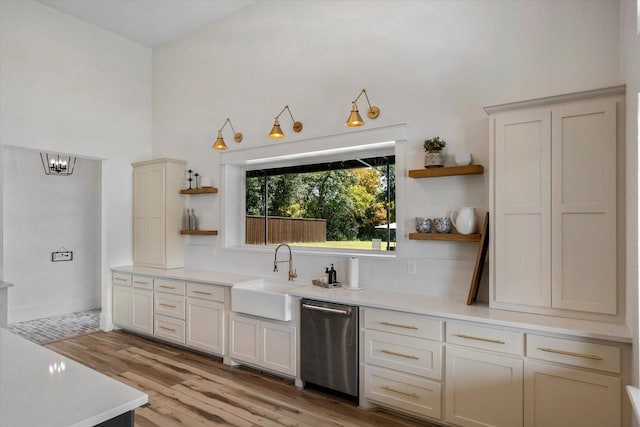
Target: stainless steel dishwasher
[[329, 345]]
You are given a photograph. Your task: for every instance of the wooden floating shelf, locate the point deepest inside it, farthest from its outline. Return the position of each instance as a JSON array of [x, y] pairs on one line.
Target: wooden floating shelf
[[200, 232], [446, 171], [454, 237], [204, 190]]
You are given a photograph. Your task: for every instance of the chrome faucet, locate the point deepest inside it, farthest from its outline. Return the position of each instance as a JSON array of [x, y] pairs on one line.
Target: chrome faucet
[[292, 272]]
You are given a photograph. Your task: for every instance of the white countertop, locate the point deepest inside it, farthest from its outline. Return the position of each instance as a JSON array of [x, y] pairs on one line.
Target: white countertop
[[35, 391], [5, 284], [459, 310], [412, 303], [216, 278]]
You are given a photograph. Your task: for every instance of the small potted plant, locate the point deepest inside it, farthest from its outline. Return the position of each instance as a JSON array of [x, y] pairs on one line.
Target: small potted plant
[[432, 148]]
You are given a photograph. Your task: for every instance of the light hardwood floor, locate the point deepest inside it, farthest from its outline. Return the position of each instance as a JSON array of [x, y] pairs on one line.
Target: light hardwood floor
[[190, 389]]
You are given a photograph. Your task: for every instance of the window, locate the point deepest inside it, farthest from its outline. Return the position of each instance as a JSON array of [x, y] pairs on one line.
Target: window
[[347, 204]]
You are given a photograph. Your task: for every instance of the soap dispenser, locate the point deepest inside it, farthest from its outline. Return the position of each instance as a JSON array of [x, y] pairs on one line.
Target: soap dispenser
[[333, 275]]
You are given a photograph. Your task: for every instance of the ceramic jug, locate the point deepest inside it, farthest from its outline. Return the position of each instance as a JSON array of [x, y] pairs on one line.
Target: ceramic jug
[[464, 220]]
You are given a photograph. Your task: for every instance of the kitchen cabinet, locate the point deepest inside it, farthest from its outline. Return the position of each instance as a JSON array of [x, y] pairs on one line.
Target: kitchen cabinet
[[263, 343], [157, 213], [142, 305], [484, 376], [206, 318], [133, 302], [121, 292], [169, 310], [403, 362], [558, 393], [553, 195]]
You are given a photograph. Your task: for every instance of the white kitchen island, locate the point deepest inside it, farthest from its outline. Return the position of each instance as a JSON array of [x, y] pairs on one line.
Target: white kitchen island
[[39, 387]]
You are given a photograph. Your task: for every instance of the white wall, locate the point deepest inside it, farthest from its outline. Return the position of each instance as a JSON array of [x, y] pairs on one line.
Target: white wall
[[42, 214], [430, 64], [67, 86]]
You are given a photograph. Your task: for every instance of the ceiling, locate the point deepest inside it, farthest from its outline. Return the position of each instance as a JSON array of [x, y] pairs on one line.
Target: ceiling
[[149, 22]]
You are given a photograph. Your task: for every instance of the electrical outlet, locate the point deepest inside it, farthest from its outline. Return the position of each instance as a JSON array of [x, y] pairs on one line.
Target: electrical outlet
[[411, 268]]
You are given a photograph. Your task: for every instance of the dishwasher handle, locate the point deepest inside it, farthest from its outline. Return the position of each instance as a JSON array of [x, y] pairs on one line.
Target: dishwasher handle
[[326, 309]]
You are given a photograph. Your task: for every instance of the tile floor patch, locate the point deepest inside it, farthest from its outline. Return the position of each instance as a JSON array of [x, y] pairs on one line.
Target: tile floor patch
[[44, 331]]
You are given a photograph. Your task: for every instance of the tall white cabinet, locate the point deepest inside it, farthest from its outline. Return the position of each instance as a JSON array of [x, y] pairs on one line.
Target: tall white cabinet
[[553, 201], [157, 213]]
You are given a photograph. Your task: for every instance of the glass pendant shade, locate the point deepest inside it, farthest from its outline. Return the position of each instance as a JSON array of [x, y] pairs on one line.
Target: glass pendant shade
[[219, 144], [276, 132], [354, 118]]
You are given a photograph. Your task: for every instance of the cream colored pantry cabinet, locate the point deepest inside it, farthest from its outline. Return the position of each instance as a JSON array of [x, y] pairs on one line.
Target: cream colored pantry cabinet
[[553, 198], [484, 376], [157, 213]]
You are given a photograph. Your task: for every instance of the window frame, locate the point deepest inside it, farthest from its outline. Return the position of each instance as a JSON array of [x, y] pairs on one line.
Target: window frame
[[364, 143]]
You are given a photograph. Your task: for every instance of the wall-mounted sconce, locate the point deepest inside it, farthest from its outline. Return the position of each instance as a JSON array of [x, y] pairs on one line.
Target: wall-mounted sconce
[[219, 144], [57, 164], [354, 118], [276, 132]]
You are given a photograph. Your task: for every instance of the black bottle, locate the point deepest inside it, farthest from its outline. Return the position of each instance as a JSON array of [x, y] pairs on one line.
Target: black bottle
[[333, 275]]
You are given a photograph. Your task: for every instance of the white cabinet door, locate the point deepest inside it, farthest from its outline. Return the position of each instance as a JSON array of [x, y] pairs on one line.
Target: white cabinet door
[[245, 339], [522, 214], [205, 325], [142, 311], [554, 197], [157, 208], [483, 389], [563, 397], [279, 347], [122, 305], [584, 206]]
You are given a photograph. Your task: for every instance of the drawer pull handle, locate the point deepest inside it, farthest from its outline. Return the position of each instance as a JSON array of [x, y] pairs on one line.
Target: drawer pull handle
[[398, 325], [201, 292], [386, 387], [167, 329], [120, 279], [140, 282], [570, 353], [167, 287], [167, 305], [408, 356], [471, 337]]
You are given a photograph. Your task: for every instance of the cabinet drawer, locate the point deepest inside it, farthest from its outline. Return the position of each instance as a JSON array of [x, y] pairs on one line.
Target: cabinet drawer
[[199, 290], [143, 282], [414, 395], [407, 354], [170, 286], [169, 328], [121, 279], [576, 353], [485, 338], [412, 325], [169, 305]]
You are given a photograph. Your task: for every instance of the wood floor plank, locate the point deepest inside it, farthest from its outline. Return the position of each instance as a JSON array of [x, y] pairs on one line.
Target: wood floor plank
[[186, 388]]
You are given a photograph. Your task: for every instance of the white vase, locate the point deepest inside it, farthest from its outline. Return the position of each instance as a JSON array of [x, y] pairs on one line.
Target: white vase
[[433, 159], [464, 220]]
